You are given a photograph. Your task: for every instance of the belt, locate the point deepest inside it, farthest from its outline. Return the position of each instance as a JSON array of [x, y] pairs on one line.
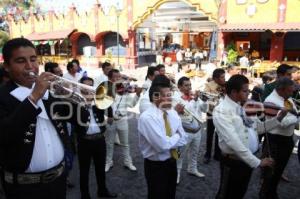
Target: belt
[[93, 136], [231, 156], [35, 178]]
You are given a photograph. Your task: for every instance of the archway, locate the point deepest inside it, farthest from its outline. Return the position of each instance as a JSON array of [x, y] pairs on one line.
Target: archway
[[170, 25], [79, 41], [107, 43]]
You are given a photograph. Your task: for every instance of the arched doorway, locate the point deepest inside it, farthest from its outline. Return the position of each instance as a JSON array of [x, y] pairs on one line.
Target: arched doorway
[[80, 41], [111, 46]]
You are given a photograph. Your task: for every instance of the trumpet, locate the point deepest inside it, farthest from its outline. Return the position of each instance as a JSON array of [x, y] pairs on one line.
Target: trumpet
[[188, 112], [210, 96], [70, 91]]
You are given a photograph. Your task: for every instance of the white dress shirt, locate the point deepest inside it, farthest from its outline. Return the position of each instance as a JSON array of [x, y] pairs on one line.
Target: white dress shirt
[[48, 150], [75, 78], [234, 135], [98, 80], [144, 102], [195, 107], [93, 126], [147, 84], [122, 102], [154, 143], [287, 124]]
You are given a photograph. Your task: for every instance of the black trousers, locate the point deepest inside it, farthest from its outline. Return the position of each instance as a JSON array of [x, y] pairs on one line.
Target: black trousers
[[52, 190], [235, 177], [161, 178], [209, 140], [281, 148], [88, 150]]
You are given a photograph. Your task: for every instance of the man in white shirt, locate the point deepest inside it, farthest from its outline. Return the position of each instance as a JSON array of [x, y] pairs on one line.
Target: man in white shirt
[[106, 67], [280, 140], [119, 123], [231, 122], [151, 73], [72, 73], [91, 144], [192, 127], [32, 135], [160, 134]]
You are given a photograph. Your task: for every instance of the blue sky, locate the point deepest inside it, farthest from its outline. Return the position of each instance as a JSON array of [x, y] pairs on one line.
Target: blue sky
[[61, 5]]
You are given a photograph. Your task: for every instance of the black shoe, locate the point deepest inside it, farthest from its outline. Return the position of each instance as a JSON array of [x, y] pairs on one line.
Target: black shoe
[[107, 194], [206, 160]]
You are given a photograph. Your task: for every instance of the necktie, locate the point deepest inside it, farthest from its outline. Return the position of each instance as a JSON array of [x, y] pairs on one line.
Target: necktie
[[247, 121], [173, 152], [288, 105]]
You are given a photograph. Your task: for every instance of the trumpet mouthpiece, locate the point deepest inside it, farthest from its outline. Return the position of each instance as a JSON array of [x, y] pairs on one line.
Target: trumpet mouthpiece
[[32, 74]]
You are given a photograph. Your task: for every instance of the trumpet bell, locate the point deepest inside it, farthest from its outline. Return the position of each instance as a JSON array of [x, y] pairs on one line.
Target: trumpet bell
[[102, 99]]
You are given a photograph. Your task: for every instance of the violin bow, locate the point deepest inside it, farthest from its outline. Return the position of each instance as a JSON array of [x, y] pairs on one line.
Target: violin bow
[[267, 144]]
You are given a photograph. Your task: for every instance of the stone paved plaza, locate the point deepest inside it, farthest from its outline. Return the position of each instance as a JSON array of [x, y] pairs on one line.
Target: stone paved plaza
[[132, 185]]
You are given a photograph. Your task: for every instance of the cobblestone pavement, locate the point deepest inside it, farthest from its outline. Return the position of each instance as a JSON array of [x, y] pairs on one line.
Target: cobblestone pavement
[[132, 185]]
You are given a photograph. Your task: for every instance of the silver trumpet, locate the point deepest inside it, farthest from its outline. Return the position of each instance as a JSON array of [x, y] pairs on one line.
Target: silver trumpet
[[71, 91], [187, 111]]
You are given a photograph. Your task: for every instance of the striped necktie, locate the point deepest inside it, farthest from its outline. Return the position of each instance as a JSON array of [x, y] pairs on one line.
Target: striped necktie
[[173, 152]]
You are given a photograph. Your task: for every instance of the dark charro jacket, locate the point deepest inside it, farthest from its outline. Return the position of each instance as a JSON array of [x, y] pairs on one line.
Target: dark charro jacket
[[18, 127], [82, 126]]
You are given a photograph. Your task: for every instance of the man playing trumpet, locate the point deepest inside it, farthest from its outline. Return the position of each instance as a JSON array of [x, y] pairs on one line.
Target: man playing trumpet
[[191, 124]]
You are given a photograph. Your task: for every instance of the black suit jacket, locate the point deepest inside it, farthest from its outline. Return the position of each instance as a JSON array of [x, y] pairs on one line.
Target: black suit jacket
[[18, 127], [82, 127]]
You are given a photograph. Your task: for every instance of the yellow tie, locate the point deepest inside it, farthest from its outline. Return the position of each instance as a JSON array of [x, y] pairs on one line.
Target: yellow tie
[[288, 105], [173, 152]]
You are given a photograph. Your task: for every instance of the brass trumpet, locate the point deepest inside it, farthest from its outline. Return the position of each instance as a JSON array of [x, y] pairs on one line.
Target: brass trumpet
[[70, 91]]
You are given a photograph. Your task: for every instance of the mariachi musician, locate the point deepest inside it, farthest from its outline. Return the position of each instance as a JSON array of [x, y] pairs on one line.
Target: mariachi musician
[[119, 122], [91, 143], [192, 123], [215, 86]]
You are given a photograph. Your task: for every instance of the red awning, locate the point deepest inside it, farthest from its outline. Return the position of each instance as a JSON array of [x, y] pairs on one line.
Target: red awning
[[275, 27], [54, 35]]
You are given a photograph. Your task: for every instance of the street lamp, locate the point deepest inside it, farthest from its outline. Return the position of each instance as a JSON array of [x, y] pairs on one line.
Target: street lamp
[[118, 13]]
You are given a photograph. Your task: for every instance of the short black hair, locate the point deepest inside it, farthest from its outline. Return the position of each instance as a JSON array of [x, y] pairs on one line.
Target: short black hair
[[182, 80], [70, 66], [283, 69], [217, 73], [84, 78], [159, 66], [13, 44], [76, 61], [160, 81], [284, 82], [151, 71], [105, 64], [111, 72], [49, 66], [236, 83]]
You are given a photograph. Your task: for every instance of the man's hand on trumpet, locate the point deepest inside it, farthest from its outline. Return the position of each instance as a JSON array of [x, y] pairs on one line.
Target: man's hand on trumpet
[[42, 83], [179, 108]]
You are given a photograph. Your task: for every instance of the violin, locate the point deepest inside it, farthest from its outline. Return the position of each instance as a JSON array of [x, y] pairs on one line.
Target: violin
[[253, 108]]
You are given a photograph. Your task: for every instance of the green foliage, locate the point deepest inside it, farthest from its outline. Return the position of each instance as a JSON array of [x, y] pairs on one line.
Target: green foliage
[[230, 46], [232, 56], [3, 38]]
